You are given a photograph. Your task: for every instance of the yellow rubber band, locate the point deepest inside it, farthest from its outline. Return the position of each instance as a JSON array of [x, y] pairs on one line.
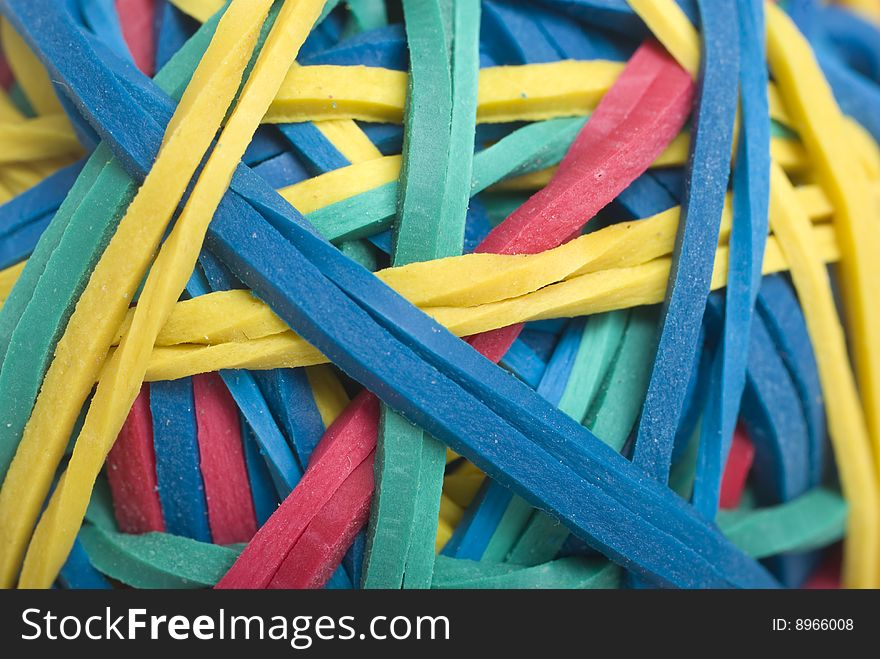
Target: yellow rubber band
[[528, 92], [849, 433], [349, 140], [470, 280], [822, 128], [595, 292], [670, 19], [37, 139], [29, 72], [201, 10], [8, 277], [343, 183], [80, 353], [330, 396], [867, 8], [506, 93]]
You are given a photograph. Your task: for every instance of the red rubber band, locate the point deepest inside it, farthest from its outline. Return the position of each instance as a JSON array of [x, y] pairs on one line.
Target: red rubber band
[[736, 471], [827, 576], [231, 515], [6, 77], [348, 442], [138, 29], [131, 471], [319, 551]]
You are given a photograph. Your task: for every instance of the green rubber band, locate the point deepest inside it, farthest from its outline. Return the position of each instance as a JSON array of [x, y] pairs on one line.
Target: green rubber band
[[573, 572], [393, 508], [368, 14], [459, 166], [540, 541], [23, 290], [812, 520], [511, 525], [616, 405], [360, 252], [599, 342], [426, 137], [609, 378], [434, 195], [100, 510], [156, 560]]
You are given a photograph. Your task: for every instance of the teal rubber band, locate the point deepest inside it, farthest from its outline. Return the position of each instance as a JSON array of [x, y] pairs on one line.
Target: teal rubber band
[[434, 195], [156, 560], [573, 572], [812, 520]]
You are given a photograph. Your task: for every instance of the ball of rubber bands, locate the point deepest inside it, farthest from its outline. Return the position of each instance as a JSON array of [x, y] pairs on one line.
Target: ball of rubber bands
[[439, 294]]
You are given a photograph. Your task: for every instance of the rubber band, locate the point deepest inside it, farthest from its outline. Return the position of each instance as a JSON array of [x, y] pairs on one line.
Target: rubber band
[[469, 281], [588, 294], [775, 422], [408, 467], [786, 324], [37, 139], [156, 560], [488, 377], [263, 494], [331, 466], [846, 421], [231, 515], [201, 10], [736, 470], [669, 18], [524, 363], [511, 34], [528, 92], [131, 472], [749, 234], [137, 21], [807, 95], [564, 573], [614, 405], [180, 250], [691, 272], [553, 381], [180, 483], [258, 419], [28, 71], [330, 397], [814, 519], [289, 396], [343, 183], [102, 19]]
